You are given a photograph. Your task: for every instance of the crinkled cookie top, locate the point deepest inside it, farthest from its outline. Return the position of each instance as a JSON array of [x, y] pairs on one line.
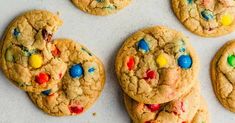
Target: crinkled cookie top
[[80, 86], [208, 18], [186, 109], [222, 75], [101, 7], [27, 54], [156, 65]]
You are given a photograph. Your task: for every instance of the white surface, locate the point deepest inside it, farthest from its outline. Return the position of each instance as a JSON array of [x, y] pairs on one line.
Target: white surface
[[103, 36]]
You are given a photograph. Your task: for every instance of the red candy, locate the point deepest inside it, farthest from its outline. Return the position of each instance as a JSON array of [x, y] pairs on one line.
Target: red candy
[[153, 107], [184, 122], [76, 109], [55, 51], [150, 74], [60, 75], [42, 78], [131, 63], [182, 107]]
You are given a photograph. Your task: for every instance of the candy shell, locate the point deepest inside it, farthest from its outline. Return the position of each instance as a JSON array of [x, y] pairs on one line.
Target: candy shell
[[161, 61], [35, 60], [143, 45], [226, 20], [76, 71], [231, 60], [185, 61]]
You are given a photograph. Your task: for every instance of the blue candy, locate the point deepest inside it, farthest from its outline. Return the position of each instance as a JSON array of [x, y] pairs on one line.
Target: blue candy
[[76, 71], [143, 45], [207, 15], [16, 32], [91, 70], [190, 1], [182, 49], [46, 92], [185, 61]]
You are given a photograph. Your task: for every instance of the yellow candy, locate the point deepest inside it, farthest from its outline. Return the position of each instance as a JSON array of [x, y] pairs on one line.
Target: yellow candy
[[35, 60], [161, 60], [227, 19]]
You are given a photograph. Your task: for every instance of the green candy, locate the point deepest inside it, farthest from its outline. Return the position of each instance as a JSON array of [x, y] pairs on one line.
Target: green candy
[[231, 60], [9, 55]]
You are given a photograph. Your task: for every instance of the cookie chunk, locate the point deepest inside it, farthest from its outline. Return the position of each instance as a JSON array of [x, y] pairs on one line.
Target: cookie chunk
[[222, 75], [156, 65], [202, 115], [81, 85], [208, 18], [101, 7], [26, 54], [186, 109]]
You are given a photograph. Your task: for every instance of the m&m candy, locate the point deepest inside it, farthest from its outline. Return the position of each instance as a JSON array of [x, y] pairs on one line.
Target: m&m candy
[[190, 1], [226, 20], [55, 51], [150, 74], [207, 15], [185, 61], [153, 107], [46, 92], [42, 78], [231, 60], [9, 55], [76, 71], [131, 63], [91, 70], [161, 60], [16, 32], [76, 109], [35, 60], [143, 46]]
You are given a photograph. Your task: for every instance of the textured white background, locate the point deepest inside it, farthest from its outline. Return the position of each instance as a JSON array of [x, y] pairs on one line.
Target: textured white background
[[103, 36]]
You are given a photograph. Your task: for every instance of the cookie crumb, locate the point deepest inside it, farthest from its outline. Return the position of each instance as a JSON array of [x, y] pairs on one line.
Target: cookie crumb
[[94, 114]]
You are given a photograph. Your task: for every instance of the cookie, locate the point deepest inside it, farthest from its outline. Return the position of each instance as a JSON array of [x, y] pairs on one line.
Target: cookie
[[156, 65], [202, 115], [222, 75], [207, 18], [81, 85], [185, 109], [101, 7], [27, 53]]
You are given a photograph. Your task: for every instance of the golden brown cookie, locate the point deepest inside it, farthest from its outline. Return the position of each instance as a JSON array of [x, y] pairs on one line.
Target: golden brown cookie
[[101, 7], [81, 85], [27, 53], [222, 75], [190, 108], [156, 65], [208, 18]]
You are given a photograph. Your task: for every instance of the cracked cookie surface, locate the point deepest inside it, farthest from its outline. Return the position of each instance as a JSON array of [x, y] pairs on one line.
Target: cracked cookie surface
[[156, 65], [81, 85], [222, 75], [26, 54], [190, 108], [101, 7], [208, 18]]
